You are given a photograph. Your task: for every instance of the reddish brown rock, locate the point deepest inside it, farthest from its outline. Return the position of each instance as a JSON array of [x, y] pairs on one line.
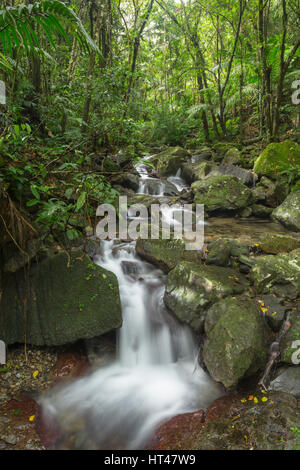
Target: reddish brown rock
[[175, 433], [71, 364]]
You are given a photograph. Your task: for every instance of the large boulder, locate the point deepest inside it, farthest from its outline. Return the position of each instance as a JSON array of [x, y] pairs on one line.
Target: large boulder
[[192, 288], [166, 254], [271, 193], [171, 160], [288, 214], [220, 251], [222, 193], [204, 169], [237, 341], [279, 275], [278, 157], [59, 300]]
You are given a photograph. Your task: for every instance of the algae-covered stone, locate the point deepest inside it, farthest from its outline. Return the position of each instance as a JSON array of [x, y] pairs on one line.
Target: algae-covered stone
[[274, 243], [59, 301], [166, 253], [232, 157], [278, 157], [219, 251], [222, 193], [288, 214], [191, 289], [237, 341], [290, 344], [171, 160], [279, 275]]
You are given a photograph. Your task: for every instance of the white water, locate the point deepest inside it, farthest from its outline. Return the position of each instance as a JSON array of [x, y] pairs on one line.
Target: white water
[[155, 376]]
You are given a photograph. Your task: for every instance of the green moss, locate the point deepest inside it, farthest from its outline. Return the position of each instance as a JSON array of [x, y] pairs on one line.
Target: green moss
[[277, 158]]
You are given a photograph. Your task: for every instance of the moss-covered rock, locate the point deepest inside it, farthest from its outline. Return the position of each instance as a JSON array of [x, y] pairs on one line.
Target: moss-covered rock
[[171, 160], [222, 193], [220, 251], [290, 344], [59, 301], [288, 214], [237, 341], [191, 289], [271, 193], [233, 157], [278, 274], [258, 210], [166, 253], [274, 243], [278, 157]]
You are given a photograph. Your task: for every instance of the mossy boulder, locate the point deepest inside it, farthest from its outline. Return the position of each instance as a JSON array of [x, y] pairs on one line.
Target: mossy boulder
[[279, 275], [258, 210], [60, 300], [288, 213], [222, 193], [220, 251], [192, 288], [233, 157], [166, 254], [278, 157], [171, 160], [271, 193], [237, 341], [274, 243], [290, 344]]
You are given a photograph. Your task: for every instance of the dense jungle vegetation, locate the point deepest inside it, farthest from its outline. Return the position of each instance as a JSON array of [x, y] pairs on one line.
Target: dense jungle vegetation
[[85, 79]]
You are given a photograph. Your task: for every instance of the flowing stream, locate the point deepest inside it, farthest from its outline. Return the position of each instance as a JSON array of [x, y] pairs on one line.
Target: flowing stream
[[156, 374]]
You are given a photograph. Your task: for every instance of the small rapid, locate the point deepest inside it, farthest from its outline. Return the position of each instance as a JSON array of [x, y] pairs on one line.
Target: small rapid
[[155, 376]]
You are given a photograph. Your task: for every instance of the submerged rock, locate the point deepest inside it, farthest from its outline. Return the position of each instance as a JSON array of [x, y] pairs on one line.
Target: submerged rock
[[192, 288], [222, 193], [288, 214], [237, 341], [279, 275], [60, 300], [277, 157], [166, 253]]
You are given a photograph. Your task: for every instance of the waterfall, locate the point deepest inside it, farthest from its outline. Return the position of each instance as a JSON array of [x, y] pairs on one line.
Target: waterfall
[[155, 375]]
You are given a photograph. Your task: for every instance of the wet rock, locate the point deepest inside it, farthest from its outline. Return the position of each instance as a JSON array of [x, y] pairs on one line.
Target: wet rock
[[70, 364], [148, 200], [15, 260], [237, 341], [127, 180], [273, 310], [235, 423], [175, 433], [232, 157], [286, 379], [192, 288], [166, 254], [222, 193], [130, 267], [290, 343], [258, 210], [279, 275], [273, 243], [271, 193], [66, 299], [288, 214], [220, 251], [171, 160], [277, 157]]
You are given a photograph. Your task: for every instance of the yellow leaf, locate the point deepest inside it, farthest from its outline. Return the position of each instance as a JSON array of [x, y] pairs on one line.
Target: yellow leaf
[[243, 400], [264, 399], [31, 418], [255, 400], [35, 374]]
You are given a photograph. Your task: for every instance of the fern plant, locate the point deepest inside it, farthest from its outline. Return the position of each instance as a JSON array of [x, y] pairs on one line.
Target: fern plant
[[18, 27]]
